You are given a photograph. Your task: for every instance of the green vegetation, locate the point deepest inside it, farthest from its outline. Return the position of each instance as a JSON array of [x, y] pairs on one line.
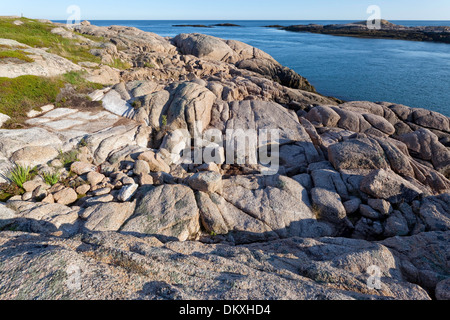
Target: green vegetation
[[121, 65], [149, 65], [67, 158], [164, 120], [38, 34], [19, 175], [15, 54], [80, 84], [136, 104], [51, 178], [20, 95]]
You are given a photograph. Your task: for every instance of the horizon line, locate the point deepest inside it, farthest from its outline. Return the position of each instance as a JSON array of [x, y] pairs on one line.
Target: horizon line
[[110, 19]]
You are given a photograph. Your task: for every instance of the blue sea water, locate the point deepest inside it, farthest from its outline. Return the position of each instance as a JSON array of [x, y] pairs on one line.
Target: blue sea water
[[416, 74]]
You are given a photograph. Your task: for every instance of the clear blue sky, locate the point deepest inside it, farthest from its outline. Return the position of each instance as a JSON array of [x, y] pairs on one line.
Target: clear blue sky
[[229, 9]]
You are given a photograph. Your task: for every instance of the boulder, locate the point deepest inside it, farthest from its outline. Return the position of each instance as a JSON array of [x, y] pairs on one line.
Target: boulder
[[279, 202], [107, 216], [14, 140], [54, 219], [387, 185], [329, 206], [203, 46], [141, 167], [323, 115], [167, 211], [144, 268], [396, 225], [359, 153], [435, 212], [191, 105], [330, 180], [382, 206], [380, 123], [113, 102]]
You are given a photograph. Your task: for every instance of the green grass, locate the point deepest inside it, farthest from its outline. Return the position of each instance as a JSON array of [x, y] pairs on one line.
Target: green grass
[[22, 94], [38, 34], [121, 65], [16, 54], [19, 175], [67, 158], [149, 65], [51, 178], [77, 80]]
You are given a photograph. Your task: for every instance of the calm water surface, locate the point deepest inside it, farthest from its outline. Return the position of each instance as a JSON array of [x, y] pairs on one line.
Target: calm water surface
[[416, 74]]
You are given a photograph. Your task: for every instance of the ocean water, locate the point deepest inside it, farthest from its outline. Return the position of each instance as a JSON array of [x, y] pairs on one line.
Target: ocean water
[[416, 74]]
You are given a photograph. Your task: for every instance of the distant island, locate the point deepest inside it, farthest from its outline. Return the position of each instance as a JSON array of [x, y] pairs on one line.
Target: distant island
[[388, 30], [205, 26]]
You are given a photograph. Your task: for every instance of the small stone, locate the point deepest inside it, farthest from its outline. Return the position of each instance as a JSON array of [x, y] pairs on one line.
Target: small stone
[[209, 182], [39, 193], [145, 179], [209, 167], [94, 178], [141, 167], [351, 206], [381, 206], [127, 181], [155, 162], [56, 163], [127, 192], [48, 199], [396, 225], [83, 189], [27, 196], [101, 192], [81, 168], [66, 196], [369, 212], [443, 290], [30, 186]]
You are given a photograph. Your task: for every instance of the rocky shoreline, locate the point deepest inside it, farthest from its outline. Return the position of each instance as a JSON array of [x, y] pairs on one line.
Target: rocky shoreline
[[359, 184], [388, 30]]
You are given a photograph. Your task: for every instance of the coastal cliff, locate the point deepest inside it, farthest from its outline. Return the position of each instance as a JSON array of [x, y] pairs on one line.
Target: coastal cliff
[[359, 184]]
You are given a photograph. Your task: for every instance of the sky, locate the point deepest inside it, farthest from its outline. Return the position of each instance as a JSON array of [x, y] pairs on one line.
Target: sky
[[228, 9]]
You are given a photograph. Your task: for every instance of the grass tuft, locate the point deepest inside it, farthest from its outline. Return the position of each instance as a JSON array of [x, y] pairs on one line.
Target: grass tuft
[[19, 175], [51, 178]]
